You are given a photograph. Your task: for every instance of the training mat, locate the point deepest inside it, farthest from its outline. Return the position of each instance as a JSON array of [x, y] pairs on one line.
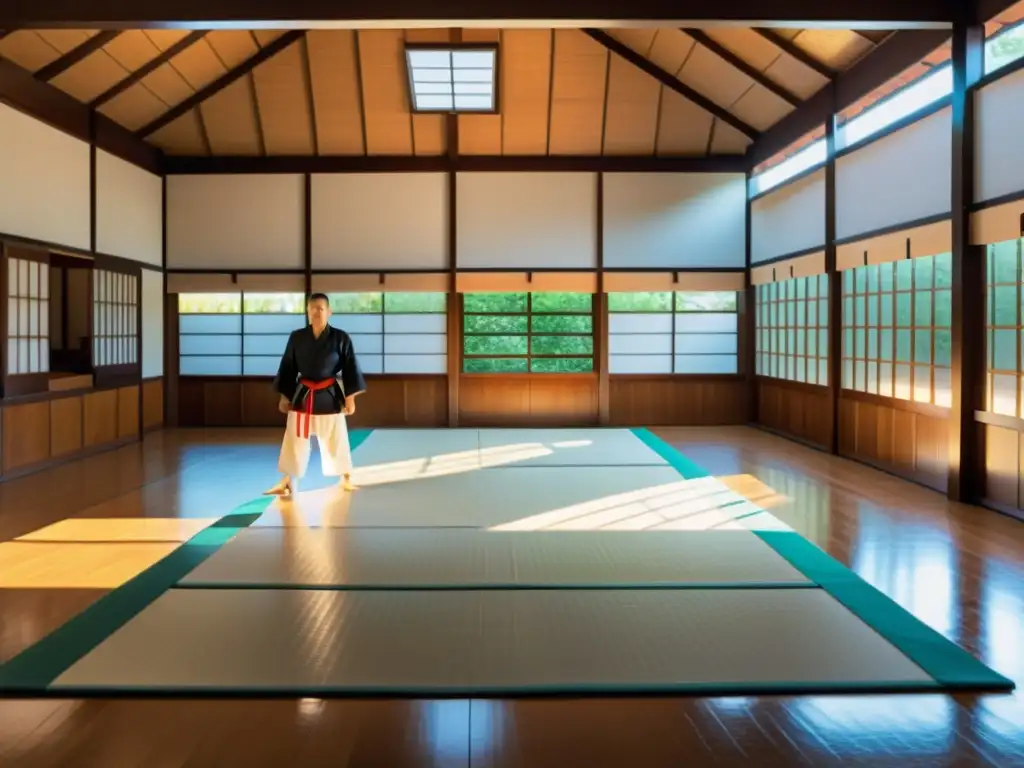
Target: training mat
[[365, 558], [420, 447], [525, 497], [565, 448], [496, 642]]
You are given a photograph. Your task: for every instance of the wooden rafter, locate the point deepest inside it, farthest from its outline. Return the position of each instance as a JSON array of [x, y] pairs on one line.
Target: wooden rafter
[[798, 53], [218, 85], [147, 69], [670, 82], [758, 77], [75, 55]]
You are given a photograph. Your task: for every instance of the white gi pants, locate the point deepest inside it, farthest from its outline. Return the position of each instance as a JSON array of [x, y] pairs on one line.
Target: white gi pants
[[331, 435]]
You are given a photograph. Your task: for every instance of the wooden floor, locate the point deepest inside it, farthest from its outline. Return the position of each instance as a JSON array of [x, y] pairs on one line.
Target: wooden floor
[[958, 568]]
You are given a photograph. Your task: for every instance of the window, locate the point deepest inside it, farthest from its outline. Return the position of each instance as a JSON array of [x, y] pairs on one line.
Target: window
[[901, 103], [792, 329], [808, 157], [115, 309], [452, 79], [528, 332], [686, 332], [1004, 47], [244, 334], [28, 316], [896, 329], [1003, 328], [395, 332]]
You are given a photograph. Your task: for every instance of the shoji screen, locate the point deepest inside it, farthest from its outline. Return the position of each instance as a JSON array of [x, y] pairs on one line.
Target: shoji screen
[[789, 219], [999, 159]]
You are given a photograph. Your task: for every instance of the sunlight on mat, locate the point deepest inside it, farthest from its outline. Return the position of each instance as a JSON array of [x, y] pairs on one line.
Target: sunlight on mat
[[418, 558], [492, 642], [575, 447]]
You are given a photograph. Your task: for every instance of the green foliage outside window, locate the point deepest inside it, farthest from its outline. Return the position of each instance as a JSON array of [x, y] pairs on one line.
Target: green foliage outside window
[[528, 332]]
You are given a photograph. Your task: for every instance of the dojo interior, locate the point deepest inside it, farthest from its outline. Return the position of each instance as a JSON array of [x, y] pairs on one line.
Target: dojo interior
[[693, 427]]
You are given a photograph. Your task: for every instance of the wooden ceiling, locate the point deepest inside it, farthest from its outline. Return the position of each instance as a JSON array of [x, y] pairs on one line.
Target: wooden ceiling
[[617, 92]]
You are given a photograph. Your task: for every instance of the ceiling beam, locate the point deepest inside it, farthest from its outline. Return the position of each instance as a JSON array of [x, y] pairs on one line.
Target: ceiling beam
[[75, 55], [798, 53], [218, 85], [146, 69], [456, 163], [246, 14], [670, 82], [758, 77], [897, 53], [986, 10], [52, 106]]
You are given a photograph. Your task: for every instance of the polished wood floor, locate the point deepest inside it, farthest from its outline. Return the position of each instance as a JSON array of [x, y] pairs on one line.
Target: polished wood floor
[[70, 534]]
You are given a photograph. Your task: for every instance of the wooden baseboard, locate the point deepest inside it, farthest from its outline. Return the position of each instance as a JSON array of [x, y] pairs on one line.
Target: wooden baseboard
[[995, 506]]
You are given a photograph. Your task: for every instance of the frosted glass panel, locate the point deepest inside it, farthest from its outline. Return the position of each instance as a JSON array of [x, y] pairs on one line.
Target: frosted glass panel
[[44, 284], [1004, 394], [639, 363], [416, 363], [640, 344], [902, 389], [413, 344], [706, 364], [421, 323], [943, 387], [274, 323], [709, 343], [23, 356], [371, 363], [210, 345], [210, 366], [209, 324], [922, 383], [621, 322], [262, 365], [706, 323], [22, 317], [264, 345], [368, 344], [353, 324], [33, 279], [12, 356], [44, 355]]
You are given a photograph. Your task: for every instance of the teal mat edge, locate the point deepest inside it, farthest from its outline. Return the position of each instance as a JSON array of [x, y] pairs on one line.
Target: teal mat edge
[[34, 669], [948, 664], [498, 586]]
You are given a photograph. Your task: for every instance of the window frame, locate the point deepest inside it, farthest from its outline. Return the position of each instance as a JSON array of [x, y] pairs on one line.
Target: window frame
[[763, 324], [991, 372]]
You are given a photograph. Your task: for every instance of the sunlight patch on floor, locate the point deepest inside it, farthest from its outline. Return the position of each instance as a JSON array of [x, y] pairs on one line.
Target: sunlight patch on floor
[[63, 565], [126, 529]]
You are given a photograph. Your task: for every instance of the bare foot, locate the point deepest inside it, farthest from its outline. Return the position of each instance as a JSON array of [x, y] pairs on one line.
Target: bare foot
[[346, 484], [283, 488]]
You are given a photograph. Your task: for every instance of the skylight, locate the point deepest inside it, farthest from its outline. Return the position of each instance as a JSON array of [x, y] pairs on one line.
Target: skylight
[[452, 78]]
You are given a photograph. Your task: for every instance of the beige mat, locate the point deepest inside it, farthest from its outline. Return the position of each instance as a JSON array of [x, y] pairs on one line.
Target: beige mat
[[356, 558], [585, 498], [495, 642], [422, 446]]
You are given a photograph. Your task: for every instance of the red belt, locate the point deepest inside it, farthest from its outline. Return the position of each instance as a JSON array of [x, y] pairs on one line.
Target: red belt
[[302, 424]]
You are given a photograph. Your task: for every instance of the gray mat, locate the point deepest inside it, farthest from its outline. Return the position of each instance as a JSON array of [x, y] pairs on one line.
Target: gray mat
[[432, 558], [492, 643]]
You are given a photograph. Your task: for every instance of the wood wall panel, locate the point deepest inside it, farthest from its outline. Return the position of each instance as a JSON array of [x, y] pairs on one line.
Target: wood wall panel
[[677, 401], [152, 404], [390, 401], [26, 434], [794, 409], [907, 439], [1002, 458], [518, 400], [127, 411], [99, 418], [65, 426]]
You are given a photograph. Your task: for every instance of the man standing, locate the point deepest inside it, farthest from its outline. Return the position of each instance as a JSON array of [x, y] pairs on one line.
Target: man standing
[[318, 380]]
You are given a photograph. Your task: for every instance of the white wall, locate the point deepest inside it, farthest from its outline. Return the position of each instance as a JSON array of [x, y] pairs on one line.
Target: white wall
[[526, 220], [999, 153], [236, 221], [901, 178], [674, 220], [152, 323], [789, 219], [380, 221], [129, 210], [44, 182]]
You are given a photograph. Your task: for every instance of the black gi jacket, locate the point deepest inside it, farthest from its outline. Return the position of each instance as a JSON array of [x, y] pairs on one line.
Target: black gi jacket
[[331, 356]]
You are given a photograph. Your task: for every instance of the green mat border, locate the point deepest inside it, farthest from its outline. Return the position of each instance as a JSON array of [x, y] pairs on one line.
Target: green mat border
[[34, 669], [498, 586], [952, 667]]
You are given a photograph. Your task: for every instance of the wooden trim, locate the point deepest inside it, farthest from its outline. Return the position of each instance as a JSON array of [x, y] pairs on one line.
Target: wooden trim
[[795, 386], [1002, 509], [43, 245], [999, 420], [454, 300], [787, 256], [647, 66], [835, 282], [601, 318], [749, 349], [75, 55], [795, 51], [294, 164], [910, 406], [967, 360], [243, 69], [307, 231], [995, 202], [752, 72], [893, 228]]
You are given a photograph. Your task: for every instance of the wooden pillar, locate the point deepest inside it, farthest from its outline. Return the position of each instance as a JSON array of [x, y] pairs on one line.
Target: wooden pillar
[[601, 340], [307, 183], [748, 334], [835, 280], [454, 299], [967, 375]]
